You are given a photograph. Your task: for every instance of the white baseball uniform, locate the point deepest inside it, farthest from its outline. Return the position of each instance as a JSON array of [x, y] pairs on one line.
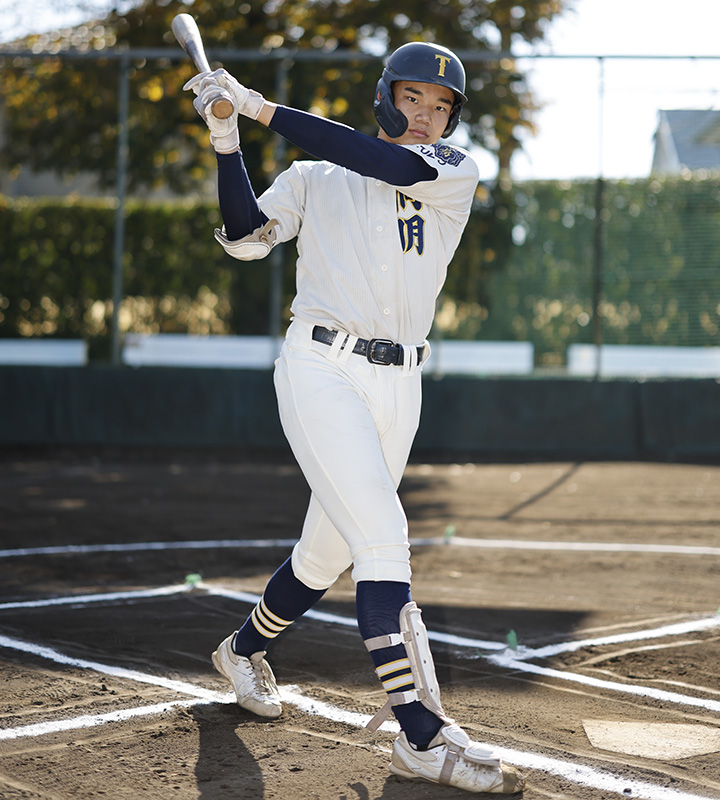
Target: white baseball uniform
[[372, 259]]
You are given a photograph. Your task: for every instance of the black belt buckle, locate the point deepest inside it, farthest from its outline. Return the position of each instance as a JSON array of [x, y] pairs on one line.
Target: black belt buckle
[[372, 346]]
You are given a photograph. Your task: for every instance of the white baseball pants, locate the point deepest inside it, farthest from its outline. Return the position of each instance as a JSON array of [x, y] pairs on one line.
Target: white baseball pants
[[350, 425]]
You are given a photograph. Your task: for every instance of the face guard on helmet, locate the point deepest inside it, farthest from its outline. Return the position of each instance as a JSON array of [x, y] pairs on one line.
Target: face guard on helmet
[[423, 63]]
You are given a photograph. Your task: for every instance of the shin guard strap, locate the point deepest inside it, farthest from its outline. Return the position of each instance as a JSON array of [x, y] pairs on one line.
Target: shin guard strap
[[451, 758], [413, 634], [394, 699], [390, 640]]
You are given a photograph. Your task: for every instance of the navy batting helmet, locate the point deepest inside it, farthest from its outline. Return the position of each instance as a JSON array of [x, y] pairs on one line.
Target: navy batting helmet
[[425, 63]]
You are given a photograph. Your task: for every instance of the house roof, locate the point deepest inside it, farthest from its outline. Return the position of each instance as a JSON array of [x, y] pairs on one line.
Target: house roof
[[695, 136]]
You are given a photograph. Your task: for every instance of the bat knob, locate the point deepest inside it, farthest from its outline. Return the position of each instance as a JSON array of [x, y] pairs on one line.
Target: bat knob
[[223, 108]]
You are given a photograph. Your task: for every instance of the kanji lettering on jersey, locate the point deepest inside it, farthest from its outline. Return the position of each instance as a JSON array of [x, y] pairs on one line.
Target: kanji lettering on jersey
[[412, 229]]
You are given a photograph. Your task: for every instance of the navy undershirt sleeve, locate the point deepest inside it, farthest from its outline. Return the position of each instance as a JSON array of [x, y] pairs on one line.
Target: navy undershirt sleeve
[[238, 205], [342, 145]]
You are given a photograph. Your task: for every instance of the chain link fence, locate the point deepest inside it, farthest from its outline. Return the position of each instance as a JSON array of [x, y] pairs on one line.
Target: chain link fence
[[609, 262], [596, 262]]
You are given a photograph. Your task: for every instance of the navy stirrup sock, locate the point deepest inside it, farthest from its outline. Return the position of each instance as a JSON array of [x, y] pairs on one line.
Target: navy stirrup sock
[[285, 599], [378, 614]]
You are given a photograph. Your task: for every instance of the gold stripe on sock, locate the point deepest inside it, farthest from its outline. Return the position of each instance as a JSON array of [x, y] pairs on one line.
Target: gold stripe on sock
[[261, 629], [265, 623], [273, 617]]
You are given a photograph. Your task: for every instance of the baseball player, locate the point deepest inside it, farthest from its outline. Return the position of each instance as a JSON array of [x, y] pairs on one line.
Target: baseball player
[[376, 222]]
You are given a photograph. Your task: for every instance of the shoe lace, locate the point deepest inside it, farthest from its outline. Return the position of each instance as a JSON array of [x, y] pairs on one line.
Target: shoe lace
[[264, 680]]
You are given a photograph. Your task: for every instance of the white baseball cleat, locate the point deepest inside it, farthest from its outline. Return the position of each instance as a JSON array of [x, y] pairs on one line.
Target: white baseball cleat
[[251, 678], [453, 759]]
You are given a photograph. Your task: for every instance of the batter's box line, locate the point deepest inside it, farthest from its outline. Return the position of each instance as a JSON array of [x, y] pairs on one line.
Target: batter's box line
[[134, 547], [508, 659], [50, 653], [507, 662], [102, 597], [521, 654], [580, 774], [200, 695], [436, 541], [350, 622], [676, 629], [95, 720]]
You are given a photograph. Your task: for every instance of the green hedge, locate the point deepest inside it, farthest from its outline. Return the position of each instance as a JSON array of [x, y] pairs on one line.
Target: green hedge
[[57, 262], [661, 279]]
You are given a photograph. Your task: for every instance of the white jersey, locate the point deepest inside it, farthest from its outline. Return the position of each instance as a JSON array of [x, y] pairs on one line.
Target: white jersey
[[372, 257]]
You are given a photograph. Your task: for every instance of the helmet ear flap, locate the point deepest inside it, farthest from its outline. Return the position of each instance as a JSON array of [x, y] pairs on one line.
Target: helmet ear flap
[[453, 121], [392, 121]]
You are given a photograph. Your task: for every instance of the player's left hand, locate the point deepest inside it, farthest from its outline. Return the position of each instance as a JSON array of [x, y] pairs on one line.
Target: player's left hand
[[248, 102], [224, 134]]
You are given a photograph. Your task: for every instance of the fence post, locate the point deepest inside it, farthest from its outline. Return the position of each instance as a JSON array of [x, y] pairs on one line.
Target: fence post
[[599, 233], [120, 191], [598, 264]]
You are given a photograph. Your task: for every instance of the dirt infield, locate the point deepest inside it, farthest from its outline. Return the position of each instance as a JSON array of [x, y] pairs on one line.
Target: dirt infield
[[573, 609]]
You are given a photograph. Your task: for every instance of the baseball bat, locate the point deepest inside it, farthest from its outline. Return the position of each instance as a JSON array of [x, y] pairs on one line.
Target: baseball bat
[[188, 35]]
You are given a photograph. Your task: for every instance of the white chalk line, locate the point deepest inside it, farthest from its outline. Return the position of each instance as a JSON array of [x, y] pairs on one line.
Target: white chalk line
[[181, 687], [676, 629], [455, 541], [93, 721], [597, 547], [508, 658], [584, 775], [521, 654], [290, 694], [512, 659], [107, 597], [325, 710], [580, 774], [132, 547], [508, 662], [350, 622], [318, 708]]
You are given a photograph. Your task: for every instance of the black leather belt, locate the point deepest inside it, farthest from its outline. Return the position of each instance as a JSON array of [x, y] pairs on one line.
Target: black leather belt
[[377, 351]]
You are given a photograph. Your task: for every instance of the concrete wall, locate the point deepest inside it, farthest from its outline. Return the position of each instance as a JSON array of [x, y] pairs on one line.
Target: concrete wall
[[517, 417]]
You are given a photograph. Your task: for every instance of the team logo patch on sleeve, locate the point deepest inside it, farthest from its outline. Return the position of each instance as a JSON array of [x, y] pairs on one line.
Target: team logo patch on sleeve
[[448, 155], [444, 154]]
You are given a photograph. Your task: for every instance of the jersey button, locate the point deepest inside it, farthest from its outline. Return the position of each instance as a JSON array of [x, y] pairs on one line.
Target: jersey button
[[384, 268], [379, 228], [386, 311]]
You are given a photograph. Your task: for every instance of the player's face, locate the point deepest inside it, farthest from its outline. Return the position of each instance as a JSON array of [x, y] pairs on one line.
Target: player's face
[[427, 108]]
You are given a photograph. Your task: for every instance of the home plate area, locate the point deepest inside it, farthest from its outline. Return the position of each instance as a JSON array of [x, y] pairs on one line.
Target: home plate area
[[572, 611]]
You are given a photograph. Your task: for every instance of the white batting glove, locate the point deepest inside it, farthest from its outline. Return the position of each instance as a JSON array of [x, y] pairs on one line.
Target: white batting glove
[[224, 134], [248, 102]]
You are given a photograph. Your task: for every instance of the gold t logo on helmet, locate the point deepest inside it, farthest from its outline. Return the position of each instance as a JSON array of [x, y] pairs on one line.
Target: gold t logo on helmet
[[444, 61]]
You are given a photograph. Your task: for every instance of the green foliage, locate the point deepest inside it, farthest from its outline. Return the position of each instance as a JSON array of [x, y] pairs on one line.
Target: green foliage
[[661, 269], [62, 116], [54, 265], [57, 264]]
